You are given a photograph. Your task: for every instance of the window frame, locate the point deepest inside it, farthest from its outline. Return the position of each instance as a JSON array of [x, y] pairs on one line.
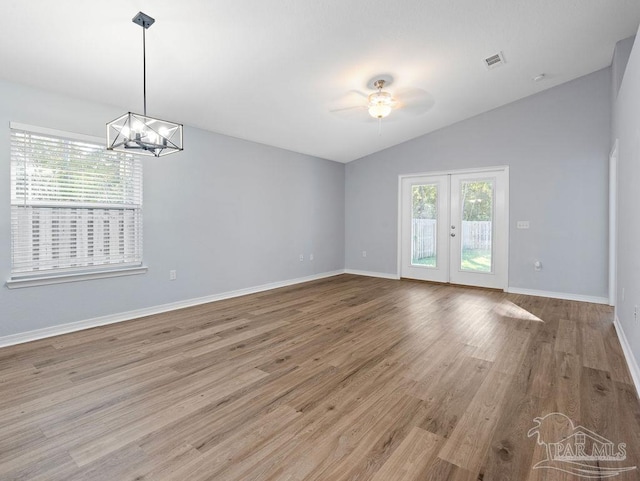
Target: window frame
[[81, 273]]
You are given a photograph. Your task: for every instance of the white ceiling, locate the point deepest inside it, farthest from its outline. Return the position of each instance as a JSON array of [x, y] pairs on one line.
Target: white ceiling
[[271, 71]]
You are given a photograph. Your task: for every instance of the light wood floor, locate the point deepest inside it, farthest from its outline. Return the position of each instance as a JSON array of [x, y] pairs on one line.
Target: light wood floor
[[348, 378]]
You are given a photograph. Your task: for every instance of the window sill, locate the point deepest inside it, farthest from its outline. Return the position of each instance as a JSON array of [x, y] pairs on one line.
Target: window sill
[[19, 283]]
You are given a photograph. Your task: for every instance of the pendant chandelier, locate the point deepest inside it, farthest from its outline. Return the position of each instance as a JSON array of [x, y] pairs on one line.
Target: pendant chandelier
[[141, 134]]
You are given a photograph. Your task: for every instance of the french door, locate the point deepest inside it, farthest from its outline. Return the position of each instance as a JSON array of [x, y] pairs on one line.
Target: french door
[[454, 228]]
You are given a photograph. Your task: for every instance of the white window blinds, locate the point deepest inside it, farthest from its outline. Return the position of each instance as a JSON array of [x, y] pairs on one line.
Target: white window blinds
[[74, 206]]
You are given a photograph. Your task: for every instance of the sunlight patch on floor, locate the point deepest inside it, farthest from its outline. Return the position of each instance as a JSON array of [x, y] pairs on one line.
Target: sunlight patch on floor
[[509, 309]]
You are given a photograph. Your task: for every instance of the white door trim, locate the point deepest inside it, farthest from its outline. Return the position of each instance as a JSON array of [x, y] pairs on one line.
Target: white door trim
[[613, 222], [502, 168]]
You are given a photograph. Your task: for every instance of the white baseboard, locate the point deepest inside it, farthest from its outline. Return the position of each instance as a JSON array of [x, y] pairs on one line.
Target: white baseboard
[[148, 311], [382, 275], [558, 295], [628, 354], [34, 335]]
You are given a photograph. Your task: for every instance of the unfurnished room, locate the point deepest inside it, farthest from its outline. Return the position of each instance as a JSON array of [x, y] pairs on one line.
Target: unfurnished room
[[319, 241]]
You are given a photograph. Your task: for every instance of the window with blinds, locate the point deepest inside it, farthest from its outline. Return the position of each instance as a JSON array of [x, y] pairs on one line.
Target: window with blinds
[[75, 207]]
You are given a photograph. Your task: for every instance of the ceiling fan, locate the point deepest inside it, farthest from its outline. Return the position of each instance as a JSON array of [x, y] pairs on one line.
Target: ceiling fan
[[408, 101]]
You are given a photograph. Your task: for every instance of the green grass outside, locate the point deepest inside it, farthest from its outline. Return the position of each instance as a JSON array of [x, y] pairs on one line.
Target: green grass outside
[[475, 260], [425, 261]]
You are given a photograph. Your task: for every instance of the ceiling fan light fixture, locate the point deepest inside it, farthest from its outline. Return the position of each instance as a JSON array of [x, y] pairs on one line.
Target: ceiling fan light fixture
[[141, 134], [379, 111], [380, 104]]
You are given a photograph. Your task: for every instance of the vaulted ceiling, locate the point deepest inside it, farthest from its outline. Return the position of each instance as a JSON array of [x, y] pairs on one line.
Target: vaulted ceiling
[[281, 72]]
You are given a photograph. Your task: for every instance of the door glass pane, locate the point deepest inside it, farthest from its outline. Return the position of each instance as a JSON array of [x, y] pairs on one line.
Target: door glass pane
[[477, 225], [424, 224]]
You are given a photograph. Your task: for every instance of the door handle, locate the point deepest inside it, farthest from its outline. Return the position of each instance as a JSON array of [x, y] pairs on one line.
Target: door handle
[[453, 234]]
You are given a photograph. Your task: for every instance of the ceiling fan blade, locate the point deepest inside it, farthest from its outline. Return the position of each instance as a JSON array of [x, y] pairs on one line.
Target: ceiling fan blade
[[355, 113], [351, 106], [359, 107], [357, 92], [351, 97], [413, 101]]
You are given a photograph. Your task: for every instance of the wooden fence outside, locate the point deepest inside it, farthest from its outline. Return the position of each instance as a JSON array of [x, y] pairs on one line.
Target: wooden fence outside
[[475, 235]]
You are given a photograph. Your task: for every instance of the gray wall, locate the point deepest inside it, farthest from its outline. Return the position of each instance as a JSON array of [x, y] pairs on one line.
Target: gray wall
[[619, 62], [627, 129], [225, 213], [556, 144], [621, 55]]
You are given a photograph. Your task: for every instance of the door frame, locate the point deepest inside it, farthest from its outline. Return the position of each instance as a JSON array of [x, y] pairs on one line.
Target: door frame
[[502, 168], [613, 223]]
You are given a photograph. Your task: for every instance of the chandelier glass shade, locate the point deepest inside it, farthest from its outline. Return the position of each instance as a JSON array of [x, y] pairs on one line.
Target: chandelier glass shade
[[139, 133], [380, 104]]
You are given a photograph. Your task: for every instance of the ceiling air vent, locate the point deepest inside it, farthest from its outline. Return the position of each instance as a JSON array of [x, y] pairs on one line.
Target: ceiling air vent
[[494, 60]]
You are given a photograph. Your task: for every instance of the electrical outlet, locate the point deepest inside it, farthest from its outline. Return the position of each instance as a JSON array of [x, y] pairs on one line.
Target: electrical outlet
[[310, 257], [537, 265], [301, 257], [364, 253], [522, 224], [173, 275]]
